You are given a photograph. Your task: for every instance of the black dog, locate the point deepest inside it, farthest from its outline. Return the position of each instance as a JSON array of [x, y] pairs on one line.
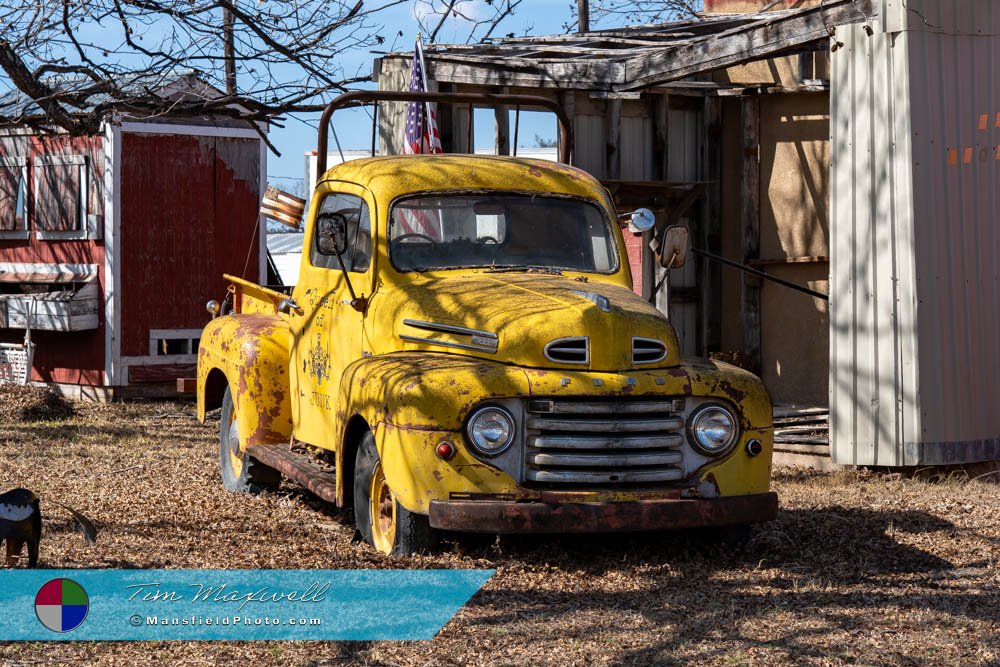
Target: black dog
[[20, 524]]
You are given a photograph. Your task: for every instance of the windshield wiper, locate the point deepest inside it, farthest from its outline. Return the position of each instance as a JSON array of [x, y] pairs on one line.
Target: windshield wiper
[[511, 268]]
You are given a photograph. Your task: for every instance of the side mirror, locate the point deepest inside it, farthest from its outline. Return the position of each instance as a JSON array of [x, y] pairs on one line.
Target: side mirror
[[331, 235], [640, 220], [673, 250]]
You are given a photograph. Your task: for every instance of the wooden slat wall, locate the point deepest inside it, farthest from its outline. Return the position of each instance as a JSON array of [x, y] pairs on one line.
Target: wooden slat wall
[[189, 212]]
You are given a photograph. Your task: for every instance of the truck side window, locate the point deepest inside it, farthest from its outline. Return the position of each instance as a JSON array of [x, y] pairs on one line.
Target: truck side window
[[358, 256]]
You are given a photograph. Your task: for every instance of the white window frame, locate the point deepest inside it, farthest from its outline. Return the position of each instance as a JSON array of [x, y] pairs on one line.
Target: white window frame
[[88, 227], [9, 161], [189, 335]]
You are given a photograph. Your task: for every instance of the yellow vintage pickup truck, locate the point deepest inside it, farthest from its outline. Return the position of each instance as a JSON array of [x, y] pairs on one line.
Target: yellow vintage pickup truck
[[463, 352]]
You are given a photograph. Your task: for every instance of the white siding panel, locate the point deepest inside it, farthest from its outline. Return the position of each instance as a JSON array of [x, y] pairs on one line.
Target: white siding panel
[[871, 325]]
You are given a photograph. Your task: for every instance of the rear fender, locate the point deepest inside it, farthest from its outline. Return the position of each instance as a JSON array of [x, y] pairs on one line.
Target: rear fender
[[252, 353]]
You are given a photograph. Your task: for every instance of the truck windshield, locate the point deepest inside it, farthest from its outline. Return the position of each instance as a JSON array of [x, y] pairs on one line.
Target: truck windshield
[[500, 231]]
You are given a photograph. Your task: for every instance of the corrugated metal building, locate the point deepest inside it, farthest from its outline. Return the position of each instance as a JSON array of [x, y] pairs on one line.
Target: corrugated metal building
[[915, 302], [114, 242]]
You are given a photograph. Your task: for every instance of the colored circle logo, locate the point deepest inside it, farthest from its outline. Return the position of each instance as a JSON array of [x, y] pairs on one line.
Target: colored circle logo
[[61, 605]]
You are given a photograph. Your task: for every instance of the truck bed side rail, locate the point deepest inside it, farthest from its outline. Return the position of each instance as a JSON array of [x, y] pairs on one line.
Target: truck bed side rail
[[249, 297]]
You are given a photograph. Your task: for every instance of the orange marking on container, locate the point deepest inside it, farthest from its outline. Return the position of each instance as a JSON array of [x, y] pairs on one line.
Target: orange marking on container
[[967, 156], [984, 121], [952, 157], [998, 119], [998, 152]]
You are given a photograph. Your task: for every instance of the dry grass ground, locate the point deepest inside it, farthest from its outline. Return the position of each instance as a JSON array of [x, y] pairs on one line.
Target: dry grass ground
[[859, 568]]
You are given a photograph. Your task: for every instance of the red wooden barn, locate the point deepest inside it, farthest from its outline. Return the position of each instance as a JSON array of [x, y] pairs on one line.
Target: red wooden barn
[[112, 243]]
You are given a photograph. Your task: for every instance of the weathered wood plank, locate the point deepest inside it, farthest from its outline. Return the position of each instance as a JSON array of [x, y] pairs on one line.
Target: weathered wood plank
[[766, 37], [498, 72], [661, 136], [568, 101], [750, 231], [711, 224], [803, 444], [614, 132], [501, 127], [780, 411]]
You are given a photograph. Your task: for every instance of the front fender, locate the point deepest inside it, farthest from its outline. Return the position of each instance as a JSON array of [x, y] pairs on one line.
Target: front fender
[[252, 353], [414, 400]]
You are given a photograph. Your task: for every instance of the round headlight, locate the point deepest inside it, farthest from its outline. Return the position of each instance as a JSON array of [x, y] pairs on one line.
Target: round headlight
[[491, 430], [713, 429]]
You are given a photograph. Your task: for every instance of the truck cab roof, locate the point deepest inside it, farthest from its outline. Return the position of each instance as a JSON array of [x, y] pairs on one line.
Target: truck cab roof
[[393, 176]]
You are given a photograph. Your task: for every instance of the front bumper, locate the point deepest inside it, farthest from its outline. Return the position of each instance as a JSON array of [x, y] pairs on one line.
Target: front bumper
[[492, 516]]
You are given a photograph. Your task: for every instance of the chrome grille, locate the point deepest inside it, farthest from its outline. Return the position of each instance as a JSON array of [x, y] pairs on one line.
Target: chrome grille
[[575, 350], [648, 351], [613, 441]]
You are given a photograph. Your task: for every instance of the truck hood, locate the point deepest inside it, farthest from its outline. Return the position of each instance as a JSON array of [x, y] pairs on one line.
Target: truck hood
[[532, 320]]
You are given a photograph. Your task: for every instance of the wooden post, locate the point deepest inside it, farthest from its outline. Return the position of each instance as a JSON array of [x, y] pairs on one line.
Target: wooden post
[[661, 136], [750, 231], [445, 120], [613, 118], [567, 99], [711, 216], [660, 114], [583, 15], [501, 125]]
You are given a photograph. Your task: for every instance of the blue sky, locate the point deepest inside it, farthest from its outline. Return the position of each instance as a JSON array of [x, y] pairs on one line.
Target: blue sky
[[536, 17]]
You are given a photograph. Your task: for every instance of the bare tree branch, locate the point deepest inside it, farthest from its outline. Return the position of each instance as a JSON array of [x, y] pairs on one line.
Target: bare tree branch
[[448, 10], [615, 13], [477, 19], [67, 64]]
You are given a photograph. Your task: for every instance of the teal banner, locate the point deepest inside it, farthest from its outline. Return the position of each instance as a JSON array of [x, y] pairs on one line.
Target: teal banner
[[73, 605]]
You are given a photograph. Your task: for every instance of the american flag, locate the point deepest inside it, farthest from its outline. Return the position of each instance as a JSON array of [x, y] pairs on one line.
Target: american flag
[[422, 136]]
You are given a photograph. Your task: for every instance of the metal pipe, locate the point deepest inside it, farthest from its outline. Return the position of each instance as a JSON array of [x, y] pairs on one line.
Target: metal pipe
[[761, 274], [359, 97]]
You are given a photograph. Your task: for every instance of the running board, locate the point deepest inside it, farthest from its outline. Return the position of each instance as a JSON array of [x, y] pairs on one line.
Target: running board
[[299, 467]]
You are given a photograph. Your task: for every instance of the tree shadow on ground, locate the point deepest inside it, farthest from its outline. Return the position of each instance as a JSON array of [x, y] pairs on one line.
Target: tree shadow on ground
[[827, 563]]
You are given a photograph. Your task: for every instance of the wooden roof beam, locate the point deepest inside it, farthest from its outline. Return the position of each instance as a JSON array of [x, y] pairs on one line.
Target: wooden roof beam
[[762, 39]]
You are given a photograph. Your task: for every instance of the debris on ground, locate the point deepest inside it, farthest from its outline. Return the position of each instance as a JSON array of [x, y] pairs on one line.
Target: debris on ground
[[32, 404], [860, 567]]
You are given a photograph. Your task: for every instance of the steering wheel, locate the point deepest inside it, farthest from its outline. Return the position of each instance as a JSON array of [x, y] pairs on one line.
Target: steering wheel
[[414, 235]]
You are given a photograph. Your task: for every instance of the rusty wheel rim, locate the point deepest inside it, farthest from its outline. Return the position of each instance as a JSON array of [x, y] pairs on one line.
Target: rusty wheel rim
[[382, 511], [233, 445]]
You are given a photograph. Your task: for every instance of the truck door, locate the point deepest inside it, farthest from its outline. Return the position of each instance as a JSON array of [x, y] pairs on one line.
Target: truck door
[[328, 334]]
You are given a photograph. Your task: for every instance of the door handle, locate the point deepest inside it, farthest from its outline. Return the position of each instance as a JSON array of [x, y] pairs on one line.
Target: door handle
[[289, 306]]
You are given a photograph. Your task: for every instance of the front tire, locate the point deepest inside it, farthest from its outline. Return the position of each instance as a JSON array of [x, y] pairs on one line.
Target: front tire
[[381, 520], [240, 473]]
